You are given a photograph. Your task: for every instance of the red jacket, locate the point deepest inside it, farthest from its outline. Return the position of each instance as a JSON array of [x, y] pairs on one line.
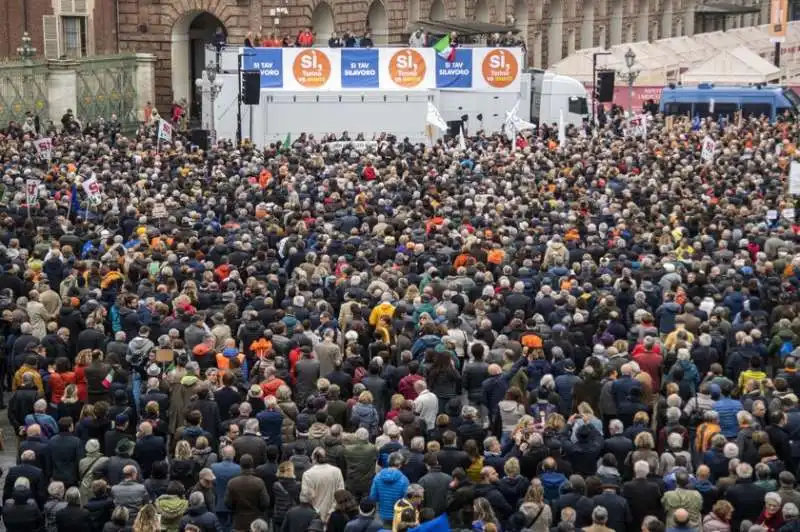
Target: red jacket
[[406, 386], [650, 362]]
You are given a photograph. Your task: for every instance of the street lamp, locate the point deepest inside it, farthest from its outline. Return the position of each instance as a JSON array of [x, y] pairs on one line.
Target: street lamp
[[213, 85], [26, 51], [630, 76]]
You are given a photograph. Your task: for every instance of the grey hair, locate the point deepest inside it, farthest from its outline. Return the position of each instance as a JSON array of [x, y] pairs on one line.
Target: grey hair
[[251, 426], [774, 497], [417, 443], [600, 514], [73, 496], [731, 450], [396, 460], [641, 469], [790, 511], [675, 440], [415, 490], [259, 525], [469, 412], [55, 489], [362, 434], [744, 471], [683, 354], [615, 426], [744, 418], [196, 499]]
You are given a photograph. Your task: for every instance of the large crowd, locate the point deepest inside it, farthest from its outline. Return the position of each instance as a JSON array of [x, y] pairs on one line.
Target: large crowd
[[520, 336]]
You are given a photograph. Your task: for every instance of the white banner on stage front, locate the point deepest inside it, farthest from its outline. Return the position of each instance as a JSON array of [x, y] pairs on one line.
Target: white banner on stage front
[[334, 69]]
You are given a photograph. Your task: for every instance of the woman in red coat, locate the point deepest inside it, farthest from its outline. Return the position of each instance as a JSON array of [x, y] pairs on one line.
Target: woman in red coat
[[82, 361]]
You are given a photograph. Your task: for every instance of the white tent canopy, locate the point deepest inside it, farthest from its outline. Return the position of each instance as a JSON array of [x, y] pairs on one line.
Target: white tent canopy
[[740, 65], [719, 56]]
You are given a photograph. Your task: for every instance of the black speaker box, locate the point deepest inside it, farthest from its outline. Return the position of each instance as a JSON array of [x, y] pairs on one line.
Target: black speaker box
[[200, 138], [605, 86], [251, 88]]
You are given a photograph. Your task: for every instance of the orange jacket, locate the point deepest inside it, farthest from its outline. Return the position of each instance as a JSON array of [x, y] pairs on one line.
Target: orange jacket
[[270, 388]]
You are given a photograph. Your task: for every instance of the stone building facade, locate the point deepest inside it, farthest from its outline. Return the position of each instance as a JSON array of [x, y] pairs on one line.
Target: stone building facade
[[176, 31]]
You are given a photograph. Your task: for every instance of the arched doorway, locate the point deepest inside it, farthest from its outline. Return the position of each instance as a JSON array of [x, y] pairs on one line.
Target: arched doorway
[[437, 10], [482, 11], [322, 23], [191, 33], [378, 22]]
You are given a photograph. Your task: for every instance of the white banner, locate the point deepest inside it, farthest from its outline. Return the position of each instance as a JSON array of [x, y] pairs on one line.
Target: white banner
[[44, 147], [709, 146], [360, 146], [32, 190], [794, 178], [92, 189], [637, 127], [164, 130], [409, 69]]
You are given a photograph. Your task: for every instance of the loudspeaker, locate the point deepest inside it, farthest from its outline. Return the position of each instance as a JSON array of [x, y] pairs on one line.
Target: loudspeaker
[[604, 91], [453, 127], [251, 88], [200, 138]]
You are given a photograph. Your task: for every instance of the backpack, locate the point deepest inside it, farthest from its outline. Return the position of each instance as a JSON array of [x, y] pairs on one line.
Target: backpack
[[359, 373], [787, 348]]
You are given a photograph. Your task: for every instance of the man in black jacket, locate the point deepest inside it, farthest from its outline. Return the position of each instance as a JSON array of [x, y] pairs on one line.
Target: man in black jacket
[[22, 401], [573, 495], [66, 450], [28, 468], [619, 513], [746, 497], [487, 489], [450, 456], [149, 449], [299, 518], [35, 443], [616, 443], [643, 496]]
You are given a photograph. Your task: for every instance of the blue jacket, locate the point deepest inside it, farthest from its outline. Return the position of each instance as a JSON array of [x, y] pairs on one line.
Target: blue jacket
[[727, 409], [224, 471], [551, 482], [388, 487], [269, 424]]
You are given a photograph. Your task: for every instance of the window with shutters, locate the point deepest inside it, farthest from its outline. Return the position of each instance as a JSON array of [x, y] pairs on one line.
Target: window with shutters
[[52, 39], [73, 40]]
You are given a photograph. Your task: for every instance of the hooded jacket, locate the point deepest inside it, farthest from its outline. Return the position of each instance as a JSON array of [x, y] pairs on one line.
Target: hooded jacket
[[171, 508], [388, 487]]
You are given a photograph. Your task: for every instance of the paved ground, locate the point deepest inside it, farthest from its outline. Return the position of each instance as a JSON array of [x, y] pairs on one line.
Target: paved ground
[[8, 456]]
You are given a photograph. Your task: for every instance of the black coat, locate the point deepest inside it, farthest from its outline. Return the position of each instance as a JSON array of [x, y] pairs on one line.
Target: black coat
[[619, 513], [287, 495], [644, 498], [451, 458], [72, 518], [35, 477], [66, 450], [469, 430], [502, 509], [200, 517], [39, 447], [91, 339], [619, 446], [149, 450], [211, 418], [20, 512], [100, 510], [112, 439], [299, 518], [747, 500], [252, 445], [20, 405], [225, 398], [582, 505]]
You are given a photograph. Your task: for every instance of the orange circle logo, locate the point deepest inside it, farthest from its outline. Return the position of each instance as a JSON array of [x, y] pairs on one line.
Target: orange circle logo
[[312, 68], [407, 68], [499, 68]]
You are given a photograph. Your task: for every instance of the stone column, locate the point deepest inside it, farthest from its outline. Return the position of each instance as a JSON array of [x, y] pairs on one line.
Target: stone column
[[615, 23], [587, 26], [145, 82], [688, 17], [642, 21], [555, 32], [62, 82]]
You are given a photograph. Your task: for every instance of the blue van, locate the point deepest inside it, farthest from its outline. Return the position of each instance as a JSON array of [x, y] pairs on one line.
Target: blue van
[[753, 100]]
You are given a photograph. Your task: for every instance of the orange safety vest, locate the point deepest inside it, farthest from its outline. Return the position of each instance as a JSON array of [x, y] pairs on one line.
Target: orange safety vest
[[224, 363]]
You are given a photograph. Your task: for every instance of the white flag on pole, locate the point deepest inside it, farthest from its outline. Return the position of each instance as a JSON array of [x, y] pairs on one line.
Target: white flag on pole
[[462, 142], [514, 124], [434, 117], [44, 147], [562, 129], [164, 130]]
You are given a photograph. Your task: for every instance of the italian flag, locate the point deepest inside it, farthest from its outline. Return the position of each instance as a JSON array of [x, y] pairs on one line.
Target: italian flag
[[445, 51], [109, 378]]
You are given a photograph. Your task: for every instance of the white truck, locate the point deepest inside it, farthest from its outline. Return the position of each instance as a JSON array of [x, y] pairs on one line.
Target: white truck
[[542, 95]]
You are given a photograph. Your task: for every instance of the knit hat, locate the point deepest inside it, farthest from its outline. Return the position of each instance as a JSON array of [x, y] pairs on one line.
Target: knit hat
[[367, 507]]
